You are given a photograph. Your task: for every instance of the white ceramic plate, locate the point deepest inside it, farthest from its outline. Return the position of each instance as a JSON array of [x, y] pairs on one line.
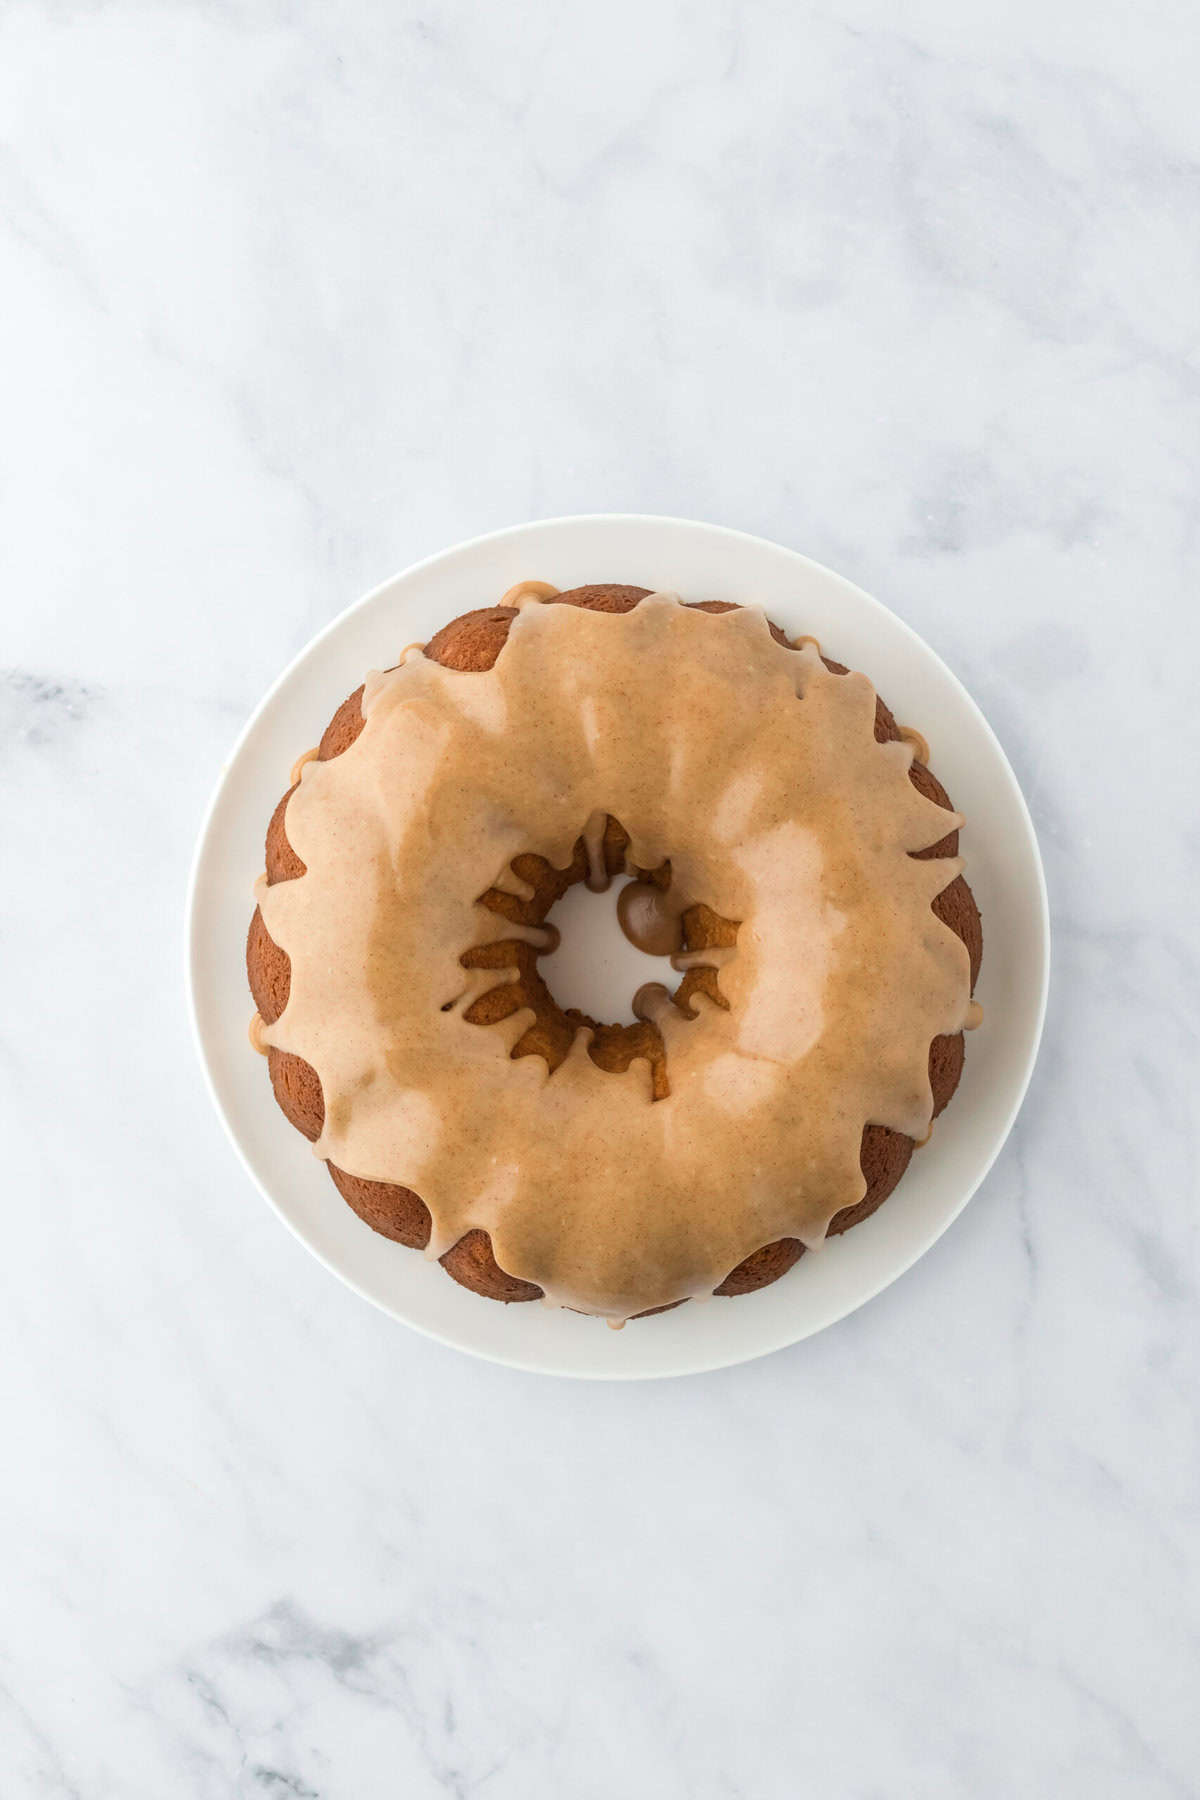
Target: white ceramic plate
[[1003, 867]]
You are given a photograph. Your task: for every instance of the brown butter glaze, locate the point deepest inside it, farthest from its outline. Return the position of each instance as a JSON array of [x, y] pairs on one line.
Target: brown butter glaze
[[488, 614]]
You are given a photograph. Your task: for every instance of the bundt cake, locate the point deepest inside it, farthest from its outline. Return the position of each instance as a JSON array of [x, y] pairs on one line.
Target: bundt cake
[[789, 856]]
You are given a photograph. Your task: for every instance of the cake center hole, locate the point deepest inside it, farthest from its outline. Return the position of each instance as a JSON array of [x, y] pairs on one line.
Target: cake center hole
[[611, 944]]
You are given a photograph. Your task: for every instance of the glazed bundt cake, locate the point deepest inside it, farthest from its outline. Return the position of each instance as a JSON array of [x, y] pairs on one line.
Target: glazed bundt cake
[[790, 856]]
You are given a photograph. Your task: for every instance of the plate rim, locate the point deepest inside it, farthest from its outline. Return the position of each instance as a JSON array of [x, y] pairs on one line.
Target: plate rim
[[718, 1358]]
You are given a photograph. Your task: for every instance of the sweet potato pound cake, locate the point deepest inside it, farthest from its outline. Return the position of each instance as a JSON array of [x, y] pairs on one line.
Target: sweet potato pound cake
[[787, 852]]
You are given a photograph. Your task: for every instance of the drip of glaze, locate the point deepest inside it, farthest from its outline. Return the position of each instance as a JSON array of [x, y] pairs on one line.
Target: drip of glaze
[[523, 593], [650, 918], [920, 1143], [598, 876], [298, 766], [650, 1001], [919, 744], [545, 939], [509, 882], [715, 956], [974, 1018], [257, 1026], [798, 643]]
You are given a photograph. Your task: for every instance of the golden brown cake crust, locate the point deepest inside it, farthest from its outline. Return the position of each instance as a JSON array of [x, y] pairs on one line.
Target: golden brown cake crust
[[473, 642]]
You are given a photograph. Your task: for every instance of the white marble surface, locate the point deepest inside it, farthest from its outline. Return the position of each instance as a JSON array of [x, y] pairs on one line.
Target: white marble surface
[[296, 294]]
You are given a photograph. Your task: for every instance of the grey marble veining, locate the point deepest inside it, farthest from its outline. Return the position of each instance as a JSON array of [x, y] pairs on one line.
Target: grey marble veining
[[295, 295]]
